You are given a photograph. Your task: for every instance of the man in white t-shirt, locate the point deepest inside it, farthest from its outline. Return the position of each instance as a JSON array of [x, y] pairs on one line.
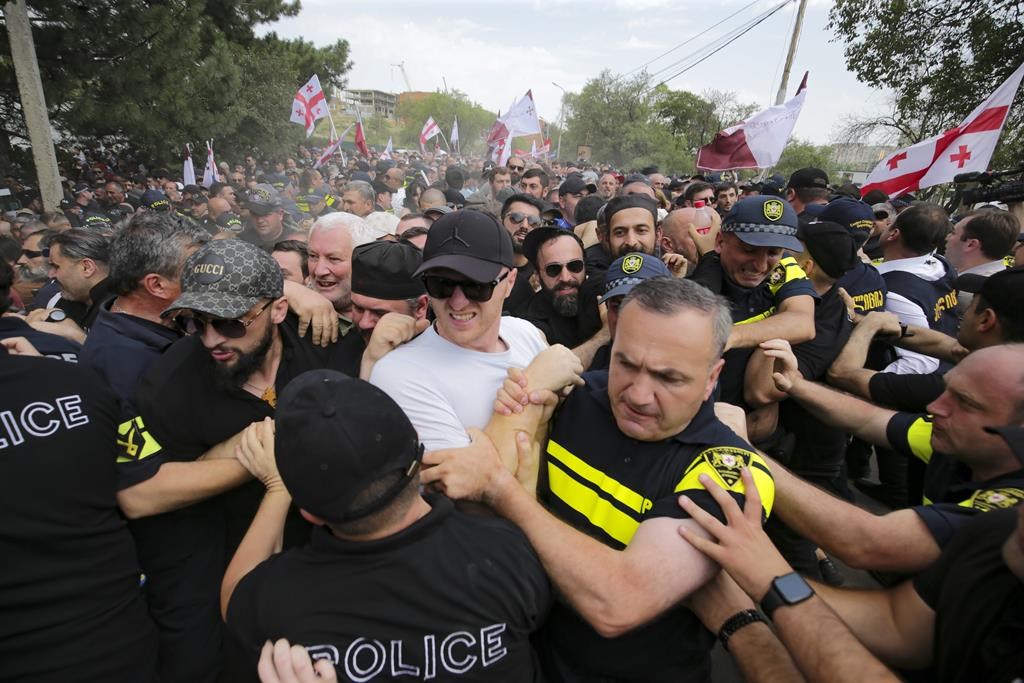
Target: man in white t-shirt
[[446, 379]]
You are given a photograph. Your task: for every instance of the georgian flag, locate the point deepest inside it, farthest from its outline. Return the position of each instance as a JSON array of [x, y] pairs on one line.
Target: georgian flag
[[386, 154], [522, 119], [963, 149], [331, 149], [309, 105], [430, 129]]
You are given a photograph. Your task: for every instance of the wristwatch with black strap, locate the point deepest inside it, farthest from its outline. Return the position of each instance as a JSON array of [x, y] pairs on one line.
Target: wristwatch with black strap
[[788, 589]]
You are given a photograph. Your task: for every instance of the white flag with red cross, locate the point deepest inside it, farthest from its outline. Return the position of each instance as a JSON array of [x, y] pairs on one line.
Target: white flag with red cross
[[963, 149], [309, 105], [430, 129]]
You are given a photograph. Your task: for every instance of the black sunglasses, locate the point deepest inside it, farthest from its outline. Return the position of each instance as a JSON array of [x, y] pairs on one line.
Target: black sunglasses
[[230, 328], [517, 168], [32, 253], [555, 269], [517, 217], [442, 288]]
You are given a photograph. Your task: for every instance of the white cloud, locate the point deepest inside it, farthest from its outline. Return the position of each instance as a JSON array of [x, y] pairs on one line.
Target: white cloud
[[494, 51]]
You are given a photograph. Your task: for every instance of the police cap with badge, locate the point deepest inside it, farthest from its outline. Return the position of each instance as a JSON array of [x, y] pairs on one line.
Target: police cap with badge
[[764, 221]]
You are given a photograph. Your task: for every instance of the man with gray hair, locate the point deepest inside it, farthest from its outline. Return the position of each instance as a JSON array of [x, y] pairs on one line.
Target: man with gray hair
[[331, 241], [358, 198], [606, 517], [79, 263]]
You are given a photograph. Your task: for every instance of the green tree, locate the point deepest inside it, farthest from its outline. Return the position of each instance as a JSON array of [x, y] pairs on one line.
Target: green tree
[[159, 74], [474, 120], [941, 57], [801, 154]]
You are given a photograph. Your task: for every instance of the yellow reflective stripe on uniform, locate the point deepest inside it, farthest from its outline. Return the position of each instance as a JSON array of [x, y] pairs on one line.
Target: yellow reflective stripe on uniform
[[786, 270], [919, 438], [584, 500], [134, 442], [626, 496], [723, 465]]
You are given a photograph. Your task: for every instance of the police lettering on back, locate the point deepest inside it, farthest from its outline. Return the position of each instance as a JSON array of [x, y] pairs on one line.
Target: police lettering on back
[[41, 419], [366, 658]]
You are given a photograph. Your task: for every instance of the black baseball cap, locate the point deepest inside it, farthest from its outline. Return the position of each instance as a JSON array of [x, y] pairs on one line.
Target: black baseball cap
[[830, 245], [809, 177], [857, 216], [384, 270], [335, 436], [1002, 291], [226, 278], [472, 243], [575, 184]]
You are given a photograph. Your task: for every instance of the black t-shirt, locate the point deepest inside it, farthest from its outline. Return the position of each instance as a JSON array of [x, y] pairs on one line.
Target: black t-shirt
[[558, 329], [598, 261], [819, 448], [606, 484], [911, 393], [522, 291], [452, 597], [185, 413], [979, 605], [70, 604]]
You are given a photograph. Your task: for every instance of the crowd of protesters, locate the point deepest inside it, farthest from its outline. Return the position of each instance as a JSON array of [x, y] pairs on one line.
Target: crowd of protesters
[[440, 418]]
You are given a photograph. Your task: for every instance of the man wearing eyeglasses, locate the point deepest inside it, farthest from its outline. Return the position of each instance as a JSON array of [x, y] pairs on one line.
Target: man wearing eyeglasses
[[241, 347], [520, 214], [516, 165], [445, 378], [565, 309]]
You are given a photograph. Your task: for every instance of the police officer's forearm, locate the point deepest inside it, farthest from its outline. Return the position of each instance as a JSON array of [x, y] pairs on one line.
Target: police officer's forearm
[[761, 657], [895, 625], [795, 326], [932, 343], [179, 484], [823, 647], [264, 538]]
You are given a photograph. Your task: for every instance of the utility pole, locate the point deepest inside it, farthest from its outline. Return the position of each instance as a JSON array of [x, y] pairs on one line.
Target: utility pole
[[33, 103], [561, 120], [780, 97]]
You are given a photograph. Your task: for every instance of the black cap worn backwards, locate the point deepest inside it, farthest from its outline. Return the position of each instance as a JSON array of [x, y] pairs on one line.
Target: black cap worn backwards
[[809, 177], [471, 243], [830, 245], [384, 270], [226, 278], [335, 437], [1003, 291]]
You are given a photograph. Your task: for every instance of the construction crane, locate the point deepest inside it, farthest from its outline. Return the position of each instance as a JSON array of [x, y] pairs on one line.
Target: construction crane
[[405, 76]]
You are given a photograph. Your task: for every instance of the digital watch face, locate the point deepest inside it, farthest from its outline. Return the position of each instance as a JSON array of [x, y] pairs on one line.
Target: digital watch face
[[793, 588]]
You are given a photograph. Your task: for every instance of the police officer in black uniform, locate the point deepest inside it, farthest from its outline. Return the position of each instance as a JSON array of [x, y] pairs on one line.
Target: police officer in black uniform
[[394, 584], [71, 608], [621, 451]]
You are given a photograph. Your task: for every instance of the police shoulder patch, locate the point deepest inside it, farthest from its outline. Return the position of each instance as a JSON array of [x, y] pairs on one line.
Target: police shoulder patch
[[773, 209], [632, 263], [134, 442], [995, 499], [778, 275]]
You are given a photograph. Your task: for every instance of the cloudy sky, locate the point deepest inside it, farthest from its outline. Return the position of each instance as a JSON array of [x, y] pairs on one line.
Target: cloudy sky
[[495, 51]]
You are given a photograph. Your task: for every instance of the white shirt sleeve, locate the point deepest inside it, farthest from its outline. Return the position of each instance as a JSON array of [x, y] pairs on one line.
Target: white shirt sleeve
[[909, 313], [906, 310]]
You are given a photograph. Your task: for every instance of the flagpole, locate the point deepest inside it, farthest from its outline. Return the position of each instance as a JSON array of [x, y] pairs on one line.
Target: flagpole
[[780, 96]]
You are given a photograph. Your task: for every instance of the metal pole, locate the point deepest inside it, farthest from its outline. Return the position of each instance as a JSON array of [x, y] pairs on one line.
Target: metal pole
[[780, 97], [33, 103], [561, 120]]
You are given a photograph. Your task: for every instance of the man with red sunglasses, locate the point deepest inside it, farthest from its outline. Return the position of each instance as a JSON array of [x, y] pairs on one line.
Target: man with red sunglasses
[[445, 378]]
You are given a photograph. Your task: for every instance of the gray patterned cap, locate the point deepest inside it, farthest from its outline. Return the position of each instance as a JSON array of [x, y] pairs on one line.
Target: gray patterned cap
[[226, 278]]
